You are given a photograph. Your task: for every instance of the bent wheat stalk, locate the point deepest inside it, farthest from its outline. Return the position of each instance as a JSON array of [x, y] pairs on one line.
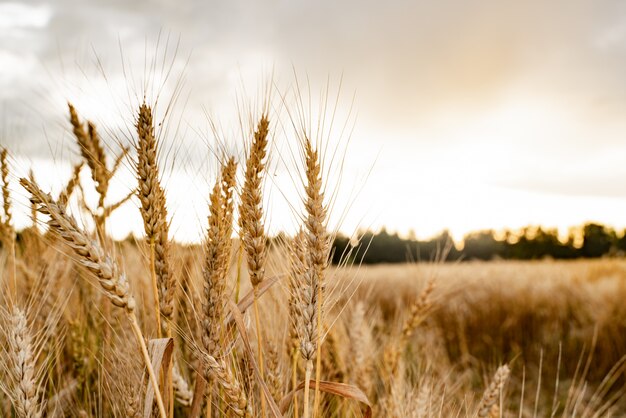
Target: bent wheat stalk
[[91, 256]]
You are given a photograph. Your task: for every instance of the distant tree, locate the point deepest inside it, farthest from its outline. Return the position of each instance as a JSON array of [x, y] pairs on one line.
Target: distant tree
[[529, 243], [483, 245], [597, 240], [621, 242]]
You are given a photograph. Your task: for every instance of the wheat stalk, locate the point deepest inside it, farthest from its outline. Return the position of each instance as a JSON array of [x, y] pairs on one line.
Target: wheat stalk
[[251, 222], [318, 247]]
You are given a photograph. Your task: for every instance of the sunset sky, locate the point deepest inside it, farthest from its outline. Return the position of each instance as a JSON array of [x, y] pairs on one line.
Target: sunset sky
[[467, 115]]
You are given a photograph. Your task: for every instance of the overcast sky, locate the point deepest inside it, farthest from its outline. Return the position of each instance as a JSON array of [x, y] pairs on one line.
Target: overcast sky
[[471, 115]]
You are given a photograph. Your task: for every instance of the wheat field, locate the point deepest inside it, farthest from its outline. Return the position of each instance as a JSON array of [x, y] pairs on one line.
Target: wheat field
[[244, 325]]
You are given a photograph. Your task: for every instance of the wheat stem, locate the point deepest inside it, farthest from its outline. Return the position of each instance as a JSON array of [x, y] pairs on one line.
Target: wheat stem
[[259, 346], [307, 385]]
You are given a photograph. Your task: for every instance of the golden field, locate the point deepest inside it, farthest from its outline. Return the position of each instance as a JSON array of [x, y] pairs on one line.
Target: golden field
[[558, 325]]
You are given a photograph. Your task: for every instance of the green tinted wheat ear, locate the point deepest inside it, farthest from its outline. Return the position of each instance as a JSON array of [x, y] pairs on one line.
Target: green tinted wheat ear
[[493, 392], [154, 214]]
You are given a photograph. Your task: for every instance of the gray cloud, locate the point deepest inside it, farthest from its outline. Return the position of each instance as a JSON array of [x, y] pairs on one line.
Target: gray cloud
[[415, 66]]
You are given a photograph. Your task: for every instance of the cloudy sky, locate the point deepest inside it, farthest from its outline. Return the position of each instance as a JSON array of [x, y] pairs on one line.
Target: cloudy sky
[[467, 115]]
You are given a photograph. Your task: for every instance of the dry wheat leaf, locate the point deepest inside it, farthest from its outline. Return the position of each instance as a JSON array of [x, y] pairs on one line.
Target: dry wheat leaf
[[341, 389], [161, 354]]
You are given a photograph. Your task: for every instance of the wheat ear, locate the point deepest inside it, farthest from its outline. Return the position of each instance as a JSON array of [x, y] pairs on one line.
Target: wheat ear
[[7, 232], [251, 209], [492, 393], [217, 249], [92, 152], [217, 257], [6, 196], [154, 214], [235, 396], [21, 367], [184, 395]]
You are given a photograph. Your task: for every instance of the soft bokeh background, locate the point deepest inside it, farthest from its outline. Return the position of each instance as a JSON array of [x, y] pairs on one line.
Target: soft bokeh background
[[469, 115]]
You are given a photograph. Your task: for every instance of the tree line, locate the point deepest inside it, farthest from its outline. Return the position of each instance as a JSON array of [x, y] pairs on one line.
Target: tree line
[[590, 240]]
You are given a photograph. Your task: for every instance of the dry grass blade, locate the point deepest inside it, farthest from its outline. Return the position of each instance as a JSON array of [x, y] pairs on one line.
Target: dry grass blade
[[248, 299]]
